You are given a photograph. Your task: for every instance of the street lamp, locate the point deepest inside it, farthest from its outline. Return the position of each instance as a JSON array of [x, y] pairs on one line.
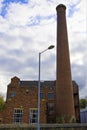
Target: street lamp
[[50, 47]]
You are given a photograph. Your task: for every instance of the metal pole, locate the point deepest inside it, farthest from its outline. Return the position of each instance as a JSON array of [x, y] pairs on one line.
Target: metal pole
[[38, 123], [38, 127]]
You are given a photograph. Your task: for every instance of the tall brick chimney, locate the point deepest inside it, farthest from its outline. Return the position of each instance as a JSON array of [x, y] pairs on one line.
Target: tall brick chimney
[[64, 93]]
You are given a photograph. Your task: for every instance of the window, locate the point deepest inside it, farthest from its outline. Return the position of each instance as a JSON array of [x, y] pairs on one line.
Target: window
[[13, 94], [42, 96], [51, 95], [33, 115], [50, 108], [18, 113], [42, 87], [51, 87]]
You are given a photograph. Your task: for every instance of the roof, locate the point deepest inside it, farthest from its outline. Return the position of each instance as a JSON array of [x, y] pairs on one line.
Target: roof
[[28, 83], [35, 83]]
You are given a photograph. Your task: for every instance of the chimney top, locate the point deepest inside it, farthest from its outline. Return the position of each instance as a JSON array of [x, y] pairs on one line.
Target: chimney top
[[61, 7]]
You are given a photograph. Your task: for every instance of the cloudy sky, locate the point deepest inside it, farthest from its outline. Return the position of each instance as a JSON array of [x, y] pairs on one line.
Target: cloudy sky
[[27, 27]]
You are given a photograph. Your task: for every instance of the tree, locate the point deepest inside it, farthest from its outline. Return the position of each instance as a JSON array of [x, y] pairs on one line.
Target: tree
[[2, 103], [83, 103]]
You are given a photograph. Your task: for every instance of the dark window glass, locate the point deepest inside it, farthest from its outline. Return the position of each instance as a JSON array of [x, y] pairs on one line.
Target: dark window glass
[[42, 96], [18, 115], [50, 108], [33, 116], [13, 94], [50, 95]]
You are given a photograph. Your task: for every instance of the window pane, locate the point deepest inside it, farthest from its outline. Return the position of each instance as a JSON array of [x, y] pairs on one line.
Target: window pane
[[18, 115], [50, 108], [13, 94], [50, 95], [33, 115], [42, 96]]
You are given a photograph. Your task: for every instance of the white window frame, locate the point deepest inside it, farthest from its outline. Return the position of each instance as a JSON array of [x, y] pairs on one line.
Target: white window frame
[[33, 116], [18, 115]]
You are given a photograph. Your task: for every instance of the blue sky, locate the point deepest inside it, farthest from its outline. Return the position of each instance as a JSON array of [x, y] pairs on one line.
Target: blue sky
[[28, 27]]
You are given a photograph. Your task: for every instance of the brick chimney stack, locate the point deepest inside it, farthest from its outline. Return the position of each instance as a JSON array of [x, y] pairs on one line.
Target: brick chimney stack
[[64, 92]]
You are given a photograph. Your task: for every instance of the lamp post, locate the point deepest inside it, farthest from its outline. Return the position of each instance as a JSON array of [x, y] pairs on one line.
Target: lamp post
[[50, 47]]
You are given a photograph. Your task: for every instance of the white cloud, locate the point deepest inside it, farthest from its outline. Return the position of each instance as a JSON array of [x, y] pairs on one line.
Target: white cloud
[[17, 14], [4, 25]]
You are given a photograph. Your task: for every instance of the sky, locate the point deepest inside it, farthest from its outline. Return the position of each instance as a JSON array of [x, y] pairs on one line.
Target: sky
[[28, 27]]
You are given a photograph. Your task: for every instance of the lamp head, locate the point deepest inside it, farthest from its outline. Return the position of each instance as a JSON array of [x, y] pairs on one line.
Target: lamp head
[[51, 47]]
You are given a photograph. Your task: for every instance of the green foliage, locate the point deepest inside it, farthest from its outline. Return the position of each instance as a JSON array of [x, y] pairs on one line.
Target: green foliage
[[2, 103], [83, 103]]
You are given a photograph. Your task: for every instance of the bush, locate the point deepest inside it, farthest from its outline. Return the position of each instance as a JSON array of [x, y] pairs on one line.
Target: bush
[[2, 103]]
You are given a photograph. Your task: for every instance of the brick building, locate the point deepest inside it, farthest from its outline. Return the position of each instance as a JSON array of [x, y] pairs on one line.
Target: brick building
[[21, 102]]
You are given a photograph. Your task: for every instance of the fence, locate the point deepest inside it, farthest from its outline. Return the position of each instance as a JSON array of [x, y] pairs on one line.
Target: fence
[[83, 115], [44, 127]]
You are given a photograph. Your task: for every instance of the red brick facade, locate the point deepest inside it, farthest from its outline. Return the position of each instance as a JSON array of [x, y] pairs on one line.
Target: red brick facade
[[23, 95], [76, 101]]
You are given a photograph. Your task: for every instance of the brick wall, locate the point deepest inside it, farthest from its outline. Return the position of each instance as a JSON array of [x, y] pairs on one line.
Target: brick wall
[[76, 101], [23, 95]]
